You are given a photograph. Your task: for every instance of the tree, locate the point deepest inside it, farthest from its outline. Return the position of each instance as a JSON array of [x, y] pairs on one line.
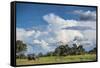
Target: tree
[[21, 56], [77, 50], [68, 49], [31, 56], [80, 50], [93, 51], [20, 46], [73, 50], [62, 50], [40, 54]]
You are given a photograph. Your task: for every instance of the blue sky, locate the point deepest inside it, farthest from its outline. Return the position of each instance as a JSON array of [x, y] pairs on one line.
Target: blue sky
[[31, 14], [41, 26]]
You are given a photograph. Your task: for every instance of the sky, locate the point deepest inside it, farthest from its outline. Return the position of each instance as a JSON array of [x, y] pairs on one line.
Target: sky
[[43, 26]]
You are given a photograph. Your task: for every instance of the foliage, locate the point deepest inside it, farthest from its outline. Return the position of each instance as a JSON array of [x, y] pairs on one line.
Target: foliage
[[20, 46], [93, 51], [64, 50], [40, 54], [61, 50], [21, 56]]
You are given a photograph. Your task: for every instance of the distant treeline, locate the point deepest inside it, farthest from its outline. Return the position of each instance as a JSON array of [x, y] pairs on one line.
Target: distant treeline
[[61, 50]]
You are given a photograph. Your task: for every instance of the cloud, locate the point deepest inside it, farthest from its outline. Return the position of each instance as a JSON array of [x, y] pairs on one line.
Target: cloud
[[56, 24], [22, 34], [38, 33], [66, 36], [81, 28], [58, 30], [85, 42], [86, 15], [57, 21], [41, 42], [36, 41], [90, 35], [33, 38], [74, 28]]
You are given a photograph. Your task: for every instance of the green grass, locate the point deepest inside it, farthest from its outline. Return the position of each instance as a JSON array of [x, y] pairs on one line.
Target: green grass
[[55, 59]]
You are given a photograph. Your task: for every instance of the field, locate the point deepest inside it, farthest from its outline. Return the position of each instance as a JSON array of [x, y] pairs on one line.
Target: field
[[55, 59]]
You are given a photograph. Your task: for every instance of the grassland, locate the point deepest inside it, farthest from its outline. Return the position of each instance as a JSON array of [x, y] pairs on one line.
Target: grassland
[[55, 59]]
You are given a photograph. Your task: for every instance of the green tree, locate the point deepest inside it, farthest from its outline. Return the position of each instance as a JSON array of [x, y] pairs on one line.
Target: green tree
[[62, 50], [68, 49], [73, 50], [20, 46], [80, 49], [21, 56], [93, 51], [40, 54], [77, 50]]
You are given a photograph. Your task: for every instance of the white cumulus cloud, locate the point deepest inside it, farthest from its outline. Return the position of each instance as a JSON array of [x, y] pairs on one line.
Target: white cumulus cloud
[[55, 31], [56, 25]]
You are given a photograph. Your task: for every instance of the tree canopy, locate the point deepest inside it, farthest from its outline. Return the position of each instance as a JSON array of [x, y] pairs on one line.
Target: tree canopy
[[20, 46]]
